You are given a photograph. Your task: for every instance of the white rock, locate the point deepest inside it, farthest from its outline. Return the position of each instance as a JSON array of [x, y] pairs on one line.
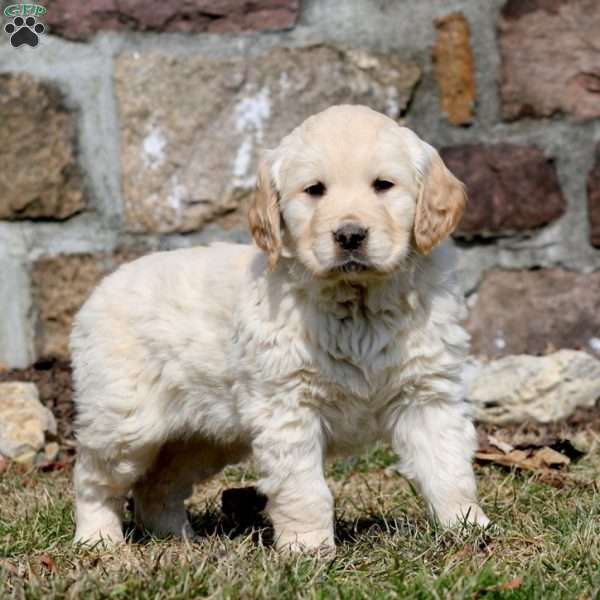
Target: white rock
[[24, 421], [51, 451], [536, 388], [27, 458]]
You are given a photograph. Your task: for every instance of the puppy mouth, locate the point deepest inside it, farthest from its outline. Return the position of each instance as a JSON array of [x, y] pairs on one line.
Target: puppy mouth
[[352, 265]]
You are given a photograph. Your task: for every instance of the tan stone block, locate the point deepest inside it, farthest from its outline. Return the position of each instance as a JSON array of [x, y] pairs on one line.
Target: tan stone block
[[593, 200], [39, 177], [534, 312], [192, 127], [550, 58], [454, 68], [510, 188], [60, 286], [78, 20]]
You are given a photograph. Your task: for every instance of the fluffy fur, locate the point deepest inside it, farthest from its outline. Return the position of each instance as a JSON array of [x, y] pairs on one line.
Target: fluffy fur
[[189, 360]]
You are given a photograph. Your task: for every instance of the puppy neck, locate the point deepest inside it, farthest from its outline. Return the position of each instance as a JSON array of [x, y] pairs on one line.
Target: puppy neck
[[394, 294]]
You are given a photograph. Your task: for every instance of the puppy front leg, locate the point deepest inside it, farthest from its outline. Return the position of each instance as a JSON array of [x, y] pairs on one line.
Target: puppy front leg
[[289, 452], [435, 442]]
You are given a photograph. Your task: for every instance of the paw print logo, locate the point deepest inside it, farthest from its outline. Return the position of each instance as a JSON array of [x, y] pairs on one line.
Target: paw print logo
[[24, 31]]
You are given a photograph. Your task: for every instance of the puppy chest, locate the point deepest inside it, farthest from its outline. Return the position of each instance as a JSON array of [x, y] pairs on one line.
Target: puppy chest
[[349, 422]]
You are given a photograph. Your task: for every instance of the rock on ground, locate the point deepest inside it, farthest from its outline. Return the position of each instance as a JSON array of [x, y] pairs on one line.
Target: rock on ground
[[521, 388], [24, 421], [53, 380]]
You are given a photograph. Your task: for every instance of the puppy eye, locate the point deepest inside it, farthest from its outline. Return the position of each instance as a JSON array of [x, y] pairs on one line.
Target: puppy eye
[[317, 190], [381, 185]]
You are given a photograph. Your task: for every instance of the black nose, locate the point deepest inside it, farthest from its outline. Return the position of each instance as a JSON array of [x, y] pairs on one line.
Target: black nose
[[350, 237]]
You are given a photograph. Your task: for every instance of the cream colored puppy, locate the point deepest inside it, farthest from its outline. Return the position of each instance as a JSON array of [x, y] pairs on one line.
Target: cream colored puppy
[[341, 330]]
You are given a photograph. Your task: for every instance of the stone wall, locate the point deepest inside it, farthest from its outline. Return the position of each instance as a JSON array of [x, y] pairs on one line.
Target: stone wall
[[135, 126]]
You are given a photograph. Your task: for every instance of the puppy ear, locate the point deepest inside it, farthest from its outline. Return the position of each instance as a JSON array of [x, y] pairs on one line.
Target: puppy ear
[[264, 216], [440, 204]]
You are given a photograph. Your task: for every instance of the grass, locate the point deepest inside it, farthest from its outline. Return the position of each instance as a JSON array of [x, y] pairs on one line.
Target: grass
[[545, 545]]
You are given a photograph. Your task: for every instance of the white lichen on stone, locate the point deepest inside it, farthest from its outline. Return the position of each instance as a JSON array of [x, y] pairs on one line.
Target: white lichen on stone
[[594, 343], [153, 147], [250, 115], [284, 84], [499, 342], [471, 300], [243, 158], [251, 112], [176, 196], [242, 162], [392, 107]]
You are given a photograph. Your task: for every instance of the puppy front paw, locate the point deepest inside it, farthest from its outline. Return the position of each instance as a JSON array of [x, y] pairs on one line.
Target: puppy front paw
[[319, 542], [464, 514], [98, 537]]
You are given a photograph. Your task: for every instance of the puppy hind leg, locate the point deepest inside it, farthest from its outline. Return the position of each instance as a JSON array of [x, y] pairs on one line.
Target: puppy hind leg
[[100, 490], [159, 497]]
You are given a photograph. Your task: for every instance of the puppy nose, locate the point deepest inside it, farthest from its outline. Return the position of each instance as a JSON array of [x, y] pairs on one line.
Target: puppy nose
[[350, 236]]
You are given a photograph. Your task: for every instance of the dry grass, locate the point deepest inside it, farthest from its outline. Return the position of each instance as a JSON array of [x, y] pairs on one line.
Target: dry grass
[[545, 544]]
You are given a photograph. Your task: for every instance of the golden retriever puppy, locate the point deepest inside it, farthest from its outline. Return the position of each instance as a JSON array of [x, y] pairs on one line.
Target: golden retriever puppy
[[342, 328]]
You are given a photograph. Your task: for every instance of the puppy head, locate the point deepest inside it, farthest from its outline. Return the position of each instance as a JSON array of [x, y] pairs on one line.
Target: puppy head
[[349, 192]]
